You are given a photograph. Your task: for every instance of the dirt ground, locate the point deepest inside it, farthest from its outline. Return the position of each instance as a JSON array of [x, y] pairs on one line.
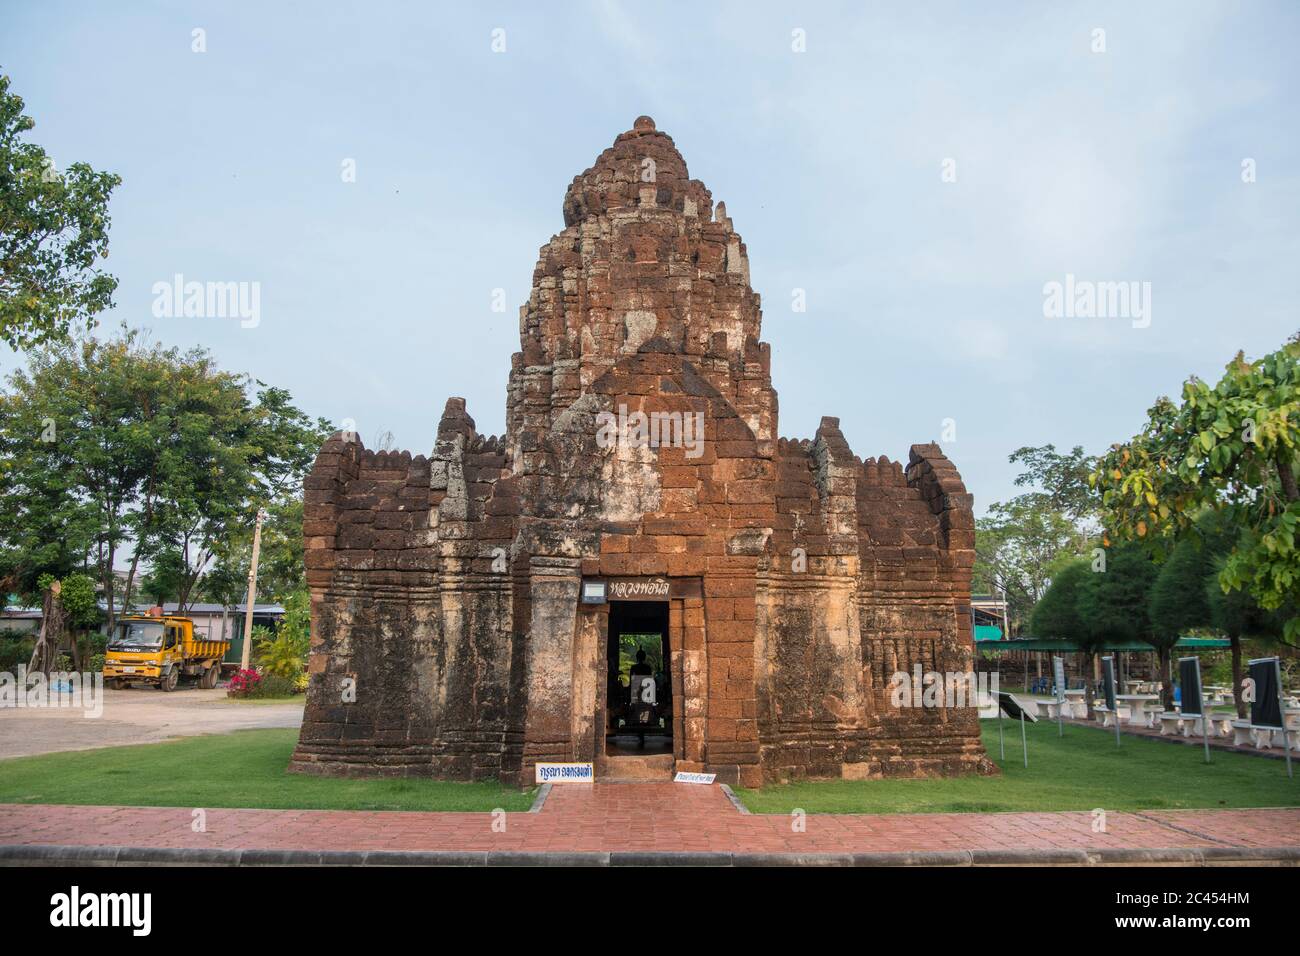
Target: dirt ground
[[137, 716]]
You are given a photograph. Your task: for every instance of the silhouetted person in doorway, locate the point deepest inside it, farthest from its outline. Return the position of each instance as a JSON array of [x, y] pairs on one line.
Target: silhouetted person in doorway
[[642, 709], [641, 668]]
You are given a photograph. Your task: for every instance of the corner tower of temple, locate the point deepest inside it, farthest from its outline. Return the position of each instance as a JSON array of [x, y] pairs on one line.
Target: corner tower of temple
[[450, 633]]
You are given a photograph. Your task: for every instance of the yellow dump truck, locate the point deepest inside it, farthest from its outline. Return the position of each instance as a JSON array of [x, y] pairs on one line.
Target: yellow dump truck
[[160, 650]]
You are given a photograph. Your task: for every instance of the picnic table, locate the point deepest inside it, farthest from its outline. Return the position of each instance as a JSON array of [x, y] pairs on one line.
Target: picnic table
[[1219, 693], [1077, 702], [1137, 710], [1136, 685]]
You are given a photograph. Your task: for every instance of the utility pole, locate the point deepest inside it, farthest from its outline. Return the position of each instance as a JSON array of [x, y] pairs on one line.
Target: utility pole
[[252, 590]]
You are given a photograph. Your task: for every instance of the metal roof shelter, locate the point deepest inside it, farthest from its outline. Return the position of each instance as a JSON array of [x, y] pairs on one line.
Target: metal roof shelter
[[1071, 647]]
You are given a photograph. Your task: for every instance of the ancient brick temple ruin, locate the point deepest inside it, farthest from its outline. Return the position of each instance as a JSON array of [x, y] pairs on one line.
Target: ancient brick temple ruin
[[469, 606]]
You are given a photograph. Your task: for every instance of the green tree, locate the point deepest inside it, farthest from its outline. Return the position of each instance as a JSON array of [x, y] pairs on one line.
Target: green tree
[[1114, 603], [1057, 615], [225, 584], [1063, 483], [280, 564], [130, 445], [1177, 601], [81, 610], [1232, 449], [1235, 614], [80, 435], [1017, 543], [1016, 546], [80, 602], [280, 571], [163, 581], [286, 654], [237, 458], [53, 228]]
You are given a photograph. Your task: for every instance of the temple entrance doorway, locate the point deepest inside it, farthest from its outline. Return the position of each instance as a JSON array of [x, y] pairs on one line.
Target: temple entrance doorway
[[639, 704]]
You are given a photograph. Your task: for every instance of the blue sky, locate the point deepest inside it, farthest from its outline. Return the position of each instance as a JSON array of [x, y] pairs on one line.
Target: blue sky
[[924, 297]]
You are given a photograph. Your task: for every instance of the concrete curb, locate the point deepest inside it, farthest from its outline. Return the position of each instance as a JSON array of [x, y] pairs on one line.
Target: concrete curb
[[37, 854], [735, 800], [539, 801]]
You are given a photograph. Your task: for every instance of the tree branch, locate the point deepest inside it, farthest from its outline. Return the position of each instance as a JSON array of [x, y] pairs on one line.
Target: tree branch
[[1285, 472]]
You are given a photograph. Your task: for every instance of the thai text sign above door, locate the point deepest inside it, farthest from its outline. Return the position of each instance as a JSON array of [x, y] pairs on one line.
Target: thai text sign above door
[[638, 589]]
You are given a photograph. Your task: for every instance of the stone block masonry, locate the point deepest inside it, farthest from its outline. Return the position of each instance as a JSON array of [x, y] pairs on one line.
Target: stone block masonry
[[449, 637]]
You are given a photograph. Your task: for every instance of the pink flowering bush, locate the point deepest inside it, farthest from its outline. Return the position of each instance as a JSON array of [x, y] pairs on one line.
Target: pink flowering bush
[[244, 683], [255, 683]]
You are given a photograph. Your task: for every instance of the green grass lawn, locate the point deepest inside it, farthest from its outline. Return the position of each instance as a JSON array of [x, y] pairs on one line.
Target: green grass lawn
[[241, 769], [1080, 771]]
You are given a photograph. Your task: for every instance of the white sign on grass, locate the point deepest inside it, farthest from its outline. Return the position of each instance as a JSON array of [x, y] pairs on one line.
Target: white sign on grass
[[686, 777]]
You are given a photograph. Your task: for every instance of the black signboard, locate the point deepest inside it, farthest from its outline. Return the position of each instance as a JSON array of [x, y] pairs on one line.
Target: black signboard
[[1014, 708], [1108, 675], [1266, 708], [1189, 678]]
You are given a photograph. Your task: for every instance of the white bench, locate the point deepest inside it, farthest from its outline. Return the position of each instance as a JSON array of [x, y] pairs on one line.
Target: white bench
[[1171, 723], [1244, 732], [1049, 707], [1280, 740], [1151, 714], [1107, 716], [1221, 725]]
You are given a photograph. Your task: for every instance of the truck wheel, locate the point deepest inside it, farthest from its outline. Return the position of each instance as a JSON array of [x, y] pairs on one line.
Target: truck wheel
[[210, 675], [169, 682]]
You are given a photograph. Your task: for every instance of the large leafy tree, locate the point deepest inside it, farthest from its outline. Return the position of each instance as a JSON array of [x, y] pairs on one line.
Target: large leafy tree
[[143, 448], [1058, 614], [1232, 449], [280, 562], [1236, 614], [162, 582], [1019, 542], [53, 229], [1177, 601], [237, 463], [1062, 481], [79, 438], [1114, 603]]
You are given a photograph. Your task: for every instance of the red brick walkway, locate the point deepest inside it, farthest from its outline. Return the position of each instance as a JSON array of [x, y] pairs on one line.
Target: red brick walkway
[[644, 817]]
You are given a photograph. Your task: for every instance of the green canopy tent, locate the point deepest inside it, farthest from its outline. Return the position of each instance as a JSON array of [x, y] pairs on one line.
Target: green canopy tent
[[1070, 647], [1052, 647]]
